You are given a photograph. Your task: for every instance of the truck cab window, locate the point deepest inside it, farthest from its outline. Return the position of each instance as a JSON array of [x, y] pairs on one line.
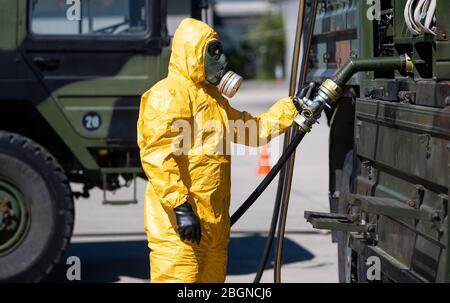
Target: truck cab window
[[90, 17]]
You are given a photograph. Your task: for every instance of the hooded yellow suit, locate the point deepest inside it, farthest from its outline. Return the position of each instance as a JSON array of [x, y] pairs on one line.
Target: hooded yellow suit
[[201, 174]]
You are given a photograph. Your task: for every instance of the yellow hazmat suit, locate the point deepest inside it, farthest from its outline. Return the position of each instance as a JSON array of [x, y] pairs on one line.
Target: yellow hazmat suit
[[200, 174]]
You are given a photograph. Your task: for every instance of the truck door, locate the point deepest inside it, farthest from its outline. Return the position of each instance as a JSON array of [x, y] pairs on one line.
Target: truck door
[[96, 58]]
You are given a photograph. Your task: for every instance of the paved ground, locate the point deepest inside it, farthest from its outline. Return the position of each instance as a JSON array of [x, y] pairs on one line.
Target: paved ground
[[111, 245]]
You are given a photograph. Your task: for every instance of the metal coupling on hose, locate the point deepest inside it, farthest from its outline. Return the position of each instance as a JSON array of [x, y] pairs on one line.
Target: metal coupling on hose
[[330, 90], [311, 112], [407, 64]]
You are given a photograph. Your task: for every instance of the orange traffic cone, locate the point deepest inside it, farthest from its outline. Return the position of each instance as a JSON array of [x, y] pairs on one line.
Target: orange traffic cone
[[264, 162]]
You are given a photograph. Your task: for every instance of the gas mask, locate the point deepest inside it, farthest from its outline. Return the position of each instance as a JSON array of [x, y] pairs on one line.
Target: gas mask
[[227, 83]]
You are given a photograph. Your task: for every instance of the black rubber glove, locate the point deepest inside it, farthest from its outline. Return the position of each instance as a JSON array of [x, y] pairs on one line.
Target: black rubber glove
[[188, 223]]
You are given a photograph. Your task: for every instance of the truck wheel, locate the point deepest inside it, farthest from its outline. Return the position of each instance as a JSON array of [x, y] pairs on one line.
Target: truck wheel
[[344, 252], [36, 210]]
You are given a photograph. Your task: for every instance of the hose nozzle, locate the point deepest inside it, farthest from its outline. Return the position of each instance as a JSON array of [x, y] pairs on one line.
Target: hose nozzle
[[332, 89]]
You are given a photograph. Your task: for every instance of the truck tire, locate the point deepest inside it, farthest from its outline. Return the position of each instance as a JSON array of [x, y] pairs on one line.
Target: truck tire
[[36, 210], [344, 252]]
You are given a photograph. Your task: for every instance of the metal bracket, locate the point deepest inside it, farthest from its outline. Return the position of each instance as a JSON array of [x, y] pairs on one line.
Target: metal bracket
[[337, 222], [389, 207], [441, 214], [105, 172]]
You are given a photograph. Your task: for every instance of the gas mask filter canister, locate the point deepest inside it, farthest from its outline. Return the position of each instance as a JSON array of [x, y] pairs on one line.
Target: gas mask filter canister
[[229, 84]]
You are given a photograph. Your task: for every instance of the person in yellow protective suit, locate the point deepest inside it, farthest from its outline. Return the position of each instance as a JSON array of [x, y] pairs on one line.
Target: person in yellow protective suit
[[187, 198]]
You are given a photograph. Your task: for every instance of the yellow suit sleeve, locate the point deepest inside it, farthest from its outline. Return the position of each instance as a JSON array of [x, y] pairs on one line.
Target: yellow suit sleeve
[[257, 131], [159, 140]]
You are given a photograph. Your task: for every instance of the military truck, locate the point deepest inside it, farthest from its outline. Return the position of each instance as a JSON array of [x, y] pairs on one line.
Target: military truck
[[71, 77], [389, 141]]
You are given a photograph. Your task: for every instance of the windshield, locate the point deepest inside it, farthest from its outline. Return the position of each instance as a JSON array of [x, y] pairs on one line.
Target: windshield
[[89, 17]]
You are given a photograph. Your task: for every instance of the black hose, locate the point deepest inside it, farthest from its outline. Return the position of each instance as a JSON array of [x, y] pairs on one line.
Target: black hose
[[310, 20], [268, 179], [276, 209], [271, 234], [295, 61], [286, 168]]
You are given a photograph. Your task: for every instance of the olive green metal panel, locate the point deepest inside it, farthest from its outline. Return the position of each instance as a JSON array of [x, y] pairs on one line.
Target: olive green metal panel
[[8, 24], [443, 70], [365, 30], [400, 29], [442, 20], [402, 149], [447, 223], [442, 51], [409, 138], [108, 96]]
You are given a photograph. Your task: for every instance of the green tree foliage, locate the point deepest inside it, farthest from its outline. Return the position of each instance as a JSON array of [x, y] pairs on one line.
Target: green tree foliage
[[267, 39]]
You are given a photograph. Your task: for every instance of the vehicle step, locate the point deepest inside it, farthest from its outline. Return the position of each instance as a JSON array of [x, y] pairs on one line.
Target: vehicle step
[[119, 202], [332, 221]]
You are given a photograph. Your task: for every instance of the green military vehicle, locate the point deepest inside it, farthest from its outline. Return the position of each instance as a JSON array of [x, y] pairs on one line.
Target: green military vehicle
[[389, 140], [71, 77]]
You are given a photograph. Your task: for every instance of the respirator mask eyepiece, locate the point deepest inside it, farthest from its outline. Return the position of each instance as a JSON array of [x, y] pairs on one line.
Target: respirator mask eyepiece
[[215, 65]]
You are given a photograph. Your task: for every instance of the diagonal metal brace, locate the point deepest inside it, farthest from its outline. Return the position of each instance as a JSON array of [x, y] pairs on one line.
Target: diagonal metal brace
[[389, 207]]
